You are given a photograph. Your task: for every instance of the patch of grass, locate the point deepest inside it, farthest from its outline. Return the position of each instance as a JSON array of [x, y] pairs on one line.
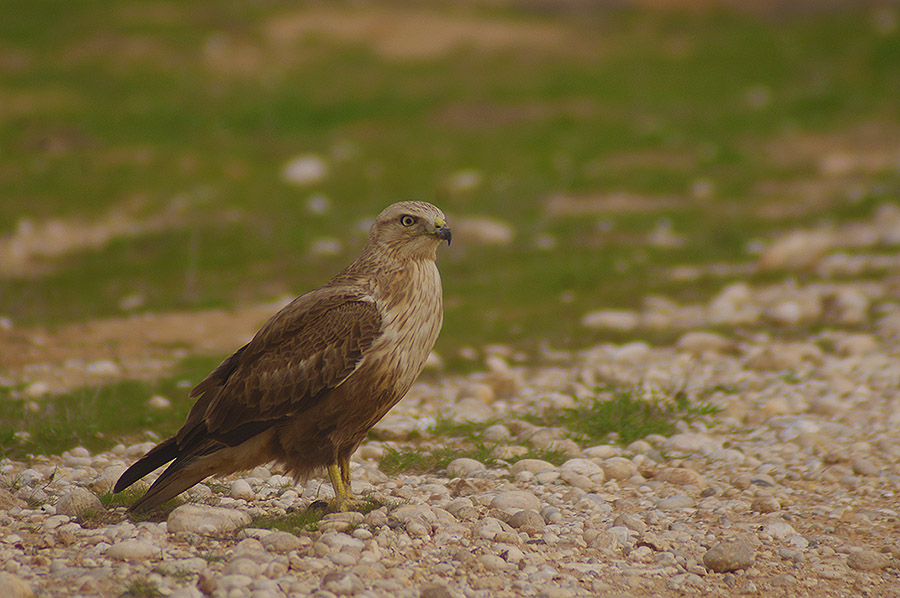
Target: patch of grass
[[415, 460], [412, 460], [447, 426], [141, 588], [122, 499], [295, 522], [212, 557], [626, 415], [97, 417]]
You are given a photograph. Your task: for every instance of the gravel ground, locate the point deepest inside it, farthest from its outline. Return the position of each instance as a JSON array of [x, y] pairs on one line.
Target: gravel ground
[[790, 490]]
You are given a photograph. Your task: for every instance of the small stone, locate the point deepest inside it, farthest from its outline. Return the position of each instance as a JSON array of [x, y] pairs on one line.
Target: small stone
[[470, 410], [205, 520], [241, 489], [798, 250], [340, 522], [632, 522], [584, 467], [611, 319], [37, 389], [305, 170], [462, 467], [691, 443], [492, 562], [534, 466], [618, 468], [104, 367], [496, 433], [867, 560], [15, 587], [477, 390], [132, 550], [681, 476], [602, 539], [673, 503], [862, 466], [186, 592], [729, 555], [856, 344], [528, 521], [698, 343], [159, 403], [207, 582], [779, 529], [282, 542], [342, 584], [181, 567], [516, 500], [602, 451], [243, 566], [765, 503], [551, 515], [486, 231], [435, 590], [77, 502], [107, 479]]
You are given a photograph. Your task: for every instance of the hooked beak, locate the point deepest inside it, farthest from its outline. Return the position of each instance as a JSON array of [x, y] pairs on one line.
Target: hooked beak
[[444, 233], [441, 230]]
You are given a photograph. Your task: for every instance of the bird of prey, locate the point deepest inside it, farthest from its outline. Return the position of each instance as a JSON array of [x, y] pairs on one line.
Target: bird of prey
[[320, 373]]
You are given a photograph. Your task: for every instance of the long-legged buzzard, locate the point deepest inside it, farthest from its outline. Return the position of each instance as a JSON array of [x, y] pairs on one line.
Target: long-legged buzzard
[[320, 373]]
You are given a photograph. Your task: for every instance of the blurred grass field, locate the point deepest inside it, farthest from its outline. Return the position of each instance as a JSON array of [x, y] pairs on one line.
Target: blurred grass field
[[585, 127]]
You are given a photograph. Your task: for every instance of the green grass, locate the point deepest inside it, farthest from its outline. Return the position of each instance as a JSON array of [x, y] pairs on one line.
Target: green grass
[[626, 415], [141, 588], [306, 520], [99, 417], [416, 460], [295, 522]]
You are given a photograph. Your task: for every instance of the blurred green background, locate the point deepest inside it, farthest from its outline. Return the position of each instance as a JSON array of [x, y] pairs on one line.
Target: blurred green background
[[202, 153]]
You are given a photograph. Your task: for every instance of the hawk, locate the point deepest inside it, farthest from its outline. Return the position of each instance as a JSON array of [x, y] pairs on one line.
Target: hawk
[[320, 373]]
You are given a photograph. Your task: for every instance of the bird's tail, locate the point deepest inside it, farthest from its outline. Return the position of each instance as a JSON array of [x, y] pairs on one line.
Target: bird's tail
[[177, 478], [159, 455]]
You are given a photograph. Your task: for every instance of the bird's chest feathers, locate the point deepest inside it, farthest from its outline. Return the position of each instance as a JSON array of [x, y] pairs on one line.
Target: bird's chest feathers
[[410, 301]]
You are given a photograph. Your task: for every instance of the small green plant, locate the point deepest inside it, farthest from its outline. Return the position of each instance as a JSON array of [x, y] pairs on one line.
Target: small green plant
[[295, 522], [625, 414], [123, 498], [141, 588], [415, 460], [446, 426], [412, 460], [212, 557]]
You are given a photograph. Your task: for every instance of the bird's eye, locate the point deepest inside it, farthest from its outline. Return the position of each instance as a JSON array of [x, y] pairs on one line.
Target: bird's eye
[[407, 220]]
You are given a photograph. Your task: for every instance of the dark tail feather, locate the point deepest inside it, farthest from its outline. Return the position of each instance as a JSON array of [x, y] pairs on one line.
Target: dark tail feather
[[159, 455], [177, 478]]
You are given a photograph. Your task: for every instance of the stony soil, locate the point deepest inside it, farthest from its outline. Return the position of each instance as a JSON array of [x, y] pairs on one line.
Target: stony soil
[[790, 490]]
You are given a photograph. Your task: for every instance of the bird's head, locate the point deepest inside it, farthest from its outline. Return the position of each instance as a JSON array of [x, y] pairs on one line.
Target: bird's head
[[409, 230]]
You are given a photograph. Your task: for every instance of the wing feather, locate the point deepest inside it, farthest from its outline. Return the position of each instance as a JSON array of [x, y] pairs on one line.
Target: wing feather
[[307, 349]]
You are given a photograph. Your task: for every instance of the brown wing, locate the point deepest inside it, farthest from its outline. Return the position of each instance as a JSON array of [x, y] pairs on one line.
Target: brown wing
[[307, 349]]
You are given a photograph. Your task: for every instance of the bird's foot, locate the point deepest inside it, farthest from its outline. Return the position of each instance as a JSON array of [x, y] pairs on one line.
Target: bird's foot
[[338, 505]]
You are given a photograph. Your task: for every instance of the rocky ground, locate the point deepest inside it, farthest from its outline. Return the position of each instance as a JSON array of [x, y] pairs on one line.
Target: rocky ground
[[790, 490], [793, 490]]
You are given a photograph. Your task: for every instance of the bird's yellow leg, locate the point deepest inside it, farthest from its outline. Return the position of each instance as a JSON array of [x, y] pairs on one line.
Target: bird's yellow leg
[[344, 464], [339, 474], [341, 492]]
